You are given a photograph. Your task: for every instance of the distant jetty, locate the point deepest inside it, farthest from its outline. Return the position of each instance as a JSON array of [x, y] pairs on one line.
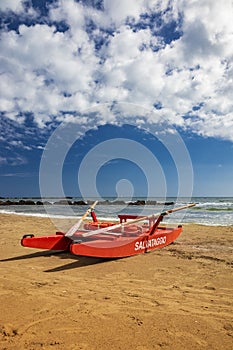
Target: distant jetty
[[69, 201]]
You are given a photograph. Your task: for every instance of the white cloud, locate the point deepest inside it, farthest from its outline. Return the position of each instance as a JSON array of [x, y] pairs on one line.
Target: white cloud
[[105, 57], [119, 10], [14, 161], [17, 7], [16, 175], [19, 144], [13, 5]]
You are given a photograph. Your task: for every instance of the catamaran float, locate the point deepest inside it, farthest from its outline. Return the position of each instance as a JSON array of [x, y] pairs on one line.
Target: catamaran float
[[130, 236]]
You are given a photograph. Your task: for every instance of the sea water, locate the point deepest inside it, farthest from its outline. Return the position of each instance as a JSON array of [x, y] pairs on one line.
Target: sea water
[[211, 211]]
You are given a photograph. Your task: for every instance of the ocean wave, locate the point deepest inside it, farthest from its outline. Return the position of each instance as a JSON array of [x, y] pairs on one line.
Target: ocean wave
[[215, 204], [216, 220], [54, 216], [39, 215], [213, 209]]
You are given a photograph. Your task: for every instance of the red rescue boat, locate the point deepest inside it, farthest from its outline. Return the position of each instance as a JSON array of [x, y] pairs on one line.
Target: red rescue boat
[[132, 235]]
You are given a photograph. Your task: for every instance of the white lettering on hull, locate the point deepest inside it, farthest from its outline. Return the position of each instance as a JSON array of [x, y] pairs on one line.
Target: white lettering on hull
[[150, 243]]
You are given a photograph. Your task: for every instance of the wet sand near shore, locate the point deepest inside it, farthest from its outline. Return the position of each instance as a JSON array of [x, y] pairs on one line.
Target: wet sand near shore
[[177, 297]]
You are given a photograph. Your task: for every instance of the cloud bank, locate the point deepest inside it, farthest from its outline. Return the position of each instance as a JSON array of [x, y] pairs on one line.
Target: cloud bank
[[174, 58]]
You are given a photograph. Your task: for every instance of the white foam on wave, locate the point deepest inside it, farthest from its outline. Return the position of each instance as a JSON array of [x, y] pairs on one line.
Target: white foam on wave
[[215, 204], [39, 215], [195, 220], [48, 216]]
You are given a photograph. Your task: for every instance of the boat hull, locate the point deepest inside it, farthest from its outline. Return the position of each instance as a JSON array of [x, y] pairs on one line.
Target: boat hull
[[126, 246], [139, 235], [51, 242], [105, 246]]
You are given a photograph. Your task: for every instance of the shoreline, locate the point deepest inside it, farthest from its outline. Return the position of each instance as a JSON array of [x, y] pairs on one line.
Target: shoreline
[[76, 218], [175, 297]]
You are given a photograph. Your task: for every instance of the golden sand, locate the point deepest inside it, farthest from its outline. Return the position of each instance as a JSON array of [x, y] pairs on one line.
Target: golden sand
[[177, 297]]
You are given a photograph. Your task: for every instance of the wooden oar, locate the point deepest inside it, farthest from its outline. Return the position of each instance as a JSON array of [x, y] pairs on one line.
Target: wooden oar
[[76, 226], [110, 228], [161, 216], [179, 208]]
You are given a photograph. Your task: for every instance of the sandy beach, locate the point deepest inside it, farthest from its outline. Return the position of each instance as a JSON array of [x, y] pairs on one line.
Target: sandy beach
[[178, 297]]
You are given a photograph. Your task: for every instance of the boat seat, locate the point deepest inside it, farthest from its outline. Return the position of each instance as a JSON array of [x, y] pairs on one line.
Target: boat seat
[[132, 231]]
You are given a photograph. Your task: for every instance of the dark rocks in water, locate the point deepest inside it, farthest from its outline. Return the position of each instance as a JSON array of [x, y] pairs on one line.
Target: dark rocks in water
[[138, 202], [43, 203], [8, 202], [79, 203], [26, 202], [21, 202], [166, 203], [68, 202], [152, 202]]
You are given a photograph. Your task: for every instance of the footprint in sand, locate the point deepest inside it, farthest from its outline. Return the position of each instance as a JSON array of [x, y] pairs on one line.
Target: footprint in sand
[[8, 331]]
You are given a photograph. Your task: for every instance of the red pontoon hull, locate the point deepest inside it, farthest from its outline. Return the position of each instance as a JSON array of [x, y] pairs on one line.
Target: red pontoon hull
[[103, 246], [51, 242], [126, 246]]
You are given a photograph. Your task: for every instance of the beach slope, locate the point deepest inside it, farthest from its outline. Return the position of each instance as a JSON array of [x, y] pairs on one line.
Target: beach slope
[[177, 297]]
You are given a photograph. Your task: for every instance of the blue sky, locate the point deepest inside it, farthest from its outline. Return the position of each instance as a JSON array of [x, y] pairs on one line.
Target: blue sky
[[117, 70]]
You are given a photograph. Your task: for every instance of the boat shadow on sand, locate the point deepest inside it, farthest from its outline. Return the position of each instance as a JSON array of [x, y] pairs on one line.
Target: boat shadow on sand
[[80, 261]]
